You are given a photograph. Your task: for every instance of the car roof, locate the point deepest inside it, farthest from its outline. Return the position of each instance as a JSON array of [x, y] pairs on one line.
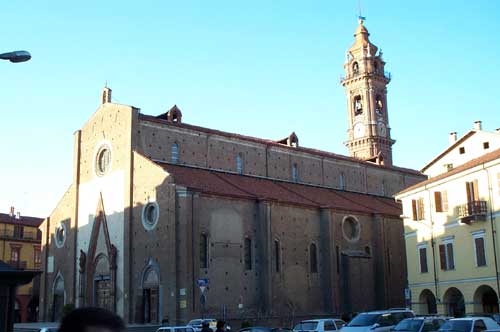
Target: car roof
[[176, 327], [386, 311], [425, 317], [318, 320], [471, 318]]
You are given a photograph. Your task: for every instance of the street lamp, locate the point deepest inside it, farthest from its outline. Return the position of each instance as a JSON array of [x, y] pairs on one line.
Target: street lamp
[[16, 56]]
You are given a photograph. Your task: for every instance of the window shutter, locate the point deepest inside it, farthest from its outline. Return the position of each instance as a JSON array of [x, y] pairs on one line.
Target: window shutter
[[449, 251], [476, 190], [438, 201], [423, 260], [468, 188], [480, 255], [442, 256], [444, 200], [498, 180], [414, 209], [420, 209]]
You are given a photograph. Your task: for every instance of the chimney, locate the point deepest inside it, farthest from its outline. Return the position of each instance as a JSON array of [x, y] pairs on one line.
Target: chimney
[[11, 211], [106, 95], [452, 138], [477, 125], [18, 215]]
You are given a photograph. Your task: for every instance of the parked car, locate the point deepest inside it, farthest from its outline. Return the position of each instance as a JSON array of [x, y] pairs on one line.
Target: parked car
[[494, 316], [469, 324], [377, 321], [196, 323], [319, 325], [265, 329], [175, 329], [420, 324]]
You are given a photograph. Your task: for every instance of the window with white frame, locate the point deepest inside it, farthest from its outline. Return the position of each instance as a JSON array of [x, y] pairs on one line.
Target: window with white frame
[[422, 256], [479, 251], [446, 254]]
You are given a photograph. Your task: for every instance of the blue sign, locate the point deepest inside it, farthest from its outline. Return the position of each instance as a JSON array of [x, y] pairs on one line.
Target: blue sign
[[202, 282]]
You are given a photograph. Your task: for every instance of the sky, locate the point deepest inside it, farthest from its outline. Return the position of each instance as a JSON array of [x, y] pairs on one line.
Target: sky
[[259, 68]]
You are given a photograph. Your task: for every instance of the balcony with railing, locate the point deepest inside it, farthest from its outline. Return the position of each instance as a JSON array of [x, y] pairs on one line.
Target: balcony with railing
[[13, 235], [472, 211], [387, 75], [20, 265]]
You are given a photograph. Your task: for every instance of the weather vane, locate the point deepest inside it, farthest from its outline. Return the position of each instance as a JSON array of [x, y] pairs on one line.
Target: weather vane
[[360, 16]]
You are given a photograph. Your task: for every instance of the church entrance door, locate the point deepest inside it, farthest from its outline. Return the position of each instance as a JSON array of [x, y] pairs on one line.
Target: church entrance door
[[103, 293], [150, 297]]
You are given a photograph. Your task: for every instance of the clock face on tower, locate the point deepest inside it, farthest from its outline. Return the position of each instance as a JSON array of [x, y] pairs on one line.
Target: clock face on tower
[[358, 130], [381, 129]]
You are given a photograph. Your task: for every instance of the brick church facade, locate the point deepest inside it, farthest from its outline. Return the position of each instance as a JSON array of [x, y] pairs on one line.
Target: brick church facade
[[276, 228]]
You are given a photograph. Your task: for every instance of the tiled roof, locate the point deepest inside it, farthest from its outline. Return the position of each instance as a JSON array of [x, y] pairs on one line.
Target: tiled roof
[[470, 164], [316, 152], [24, 220], [249, 187], [448, 149]]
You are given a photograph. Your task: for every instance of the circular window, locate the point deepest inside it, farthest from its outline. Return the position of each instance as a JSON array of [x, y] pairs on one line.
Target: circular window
[[150, 214], [351, 228], [103, 160], [60, 235]]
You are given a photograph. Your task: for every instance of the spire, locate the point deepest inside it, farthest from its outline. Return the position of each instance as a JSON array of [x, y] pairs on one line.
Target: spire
[[361, 41]]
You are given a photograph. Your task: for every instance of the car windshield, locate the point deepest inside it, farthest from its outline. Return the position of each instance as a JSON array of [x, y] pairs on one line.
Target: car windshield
[[456, 326], [305, 326], [409, 325], [364, 320]]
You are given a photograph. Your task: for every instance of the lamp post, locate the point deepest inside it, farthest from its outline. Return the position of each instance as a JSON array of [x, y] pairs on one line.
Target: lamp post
[[16, 56]]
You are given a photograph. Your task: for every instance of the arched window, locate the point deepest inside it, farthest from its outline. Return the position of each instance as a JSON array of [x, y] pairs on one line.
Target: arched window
[[239, 163], [355, 68], [203, 251], [313, 258], [358, 105], [175, 153], [379, 105], [295, 173], [248, 254]]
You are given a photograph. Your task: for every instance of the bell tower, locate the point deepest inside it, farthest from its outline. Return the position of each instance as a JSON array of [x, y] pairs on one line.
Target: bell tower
[[365, 81]]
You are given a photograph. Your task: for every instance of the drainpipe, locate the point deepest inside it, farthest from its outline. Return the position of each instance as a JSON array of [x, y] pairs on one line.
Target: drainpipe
[[493, 229], [433, 245]]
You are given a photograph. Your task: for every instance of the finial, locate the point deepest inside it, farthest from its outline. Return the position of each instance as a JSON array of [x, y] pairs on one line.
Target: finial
[[361, 18]]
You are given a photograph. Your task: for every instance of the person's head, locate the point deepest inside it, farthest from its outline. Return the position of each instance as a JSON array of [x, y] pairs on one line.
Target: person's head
[[205, 324], [220, 324], [91, 320]]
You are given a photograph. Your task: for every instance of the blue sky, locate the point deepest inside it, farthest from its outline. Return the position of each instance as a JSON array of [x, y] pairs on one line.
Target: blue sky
[[260, 68]]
